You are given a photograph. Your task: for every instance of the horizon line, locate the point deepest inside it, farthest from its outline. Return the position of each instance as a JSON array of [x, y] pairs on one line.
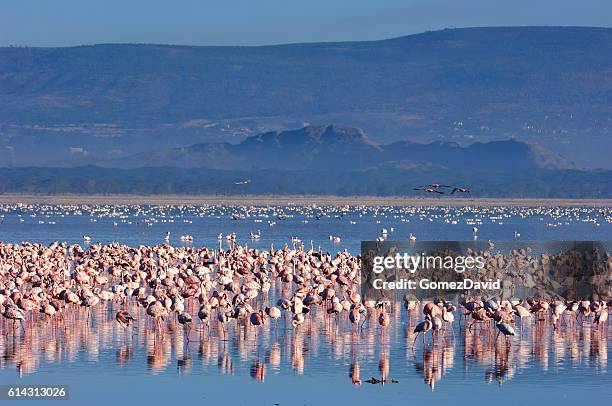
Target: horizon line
[[277, 44]]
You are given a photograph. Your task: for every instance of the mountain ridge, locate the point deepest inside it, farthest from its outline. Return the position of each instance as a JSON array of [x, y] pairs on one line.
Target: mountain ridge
[[333, 147]]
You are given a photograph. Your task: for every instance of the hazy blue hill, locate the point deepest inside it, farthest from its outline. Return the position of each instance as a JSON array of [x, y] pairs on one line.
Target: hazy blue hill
[[110, 83], [552, 85], [494, 156]]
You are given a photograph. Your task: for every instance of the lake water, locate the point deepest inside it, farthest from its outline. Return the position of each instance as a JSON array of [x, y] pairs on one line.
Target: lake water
[[278, 224], [322, 361]]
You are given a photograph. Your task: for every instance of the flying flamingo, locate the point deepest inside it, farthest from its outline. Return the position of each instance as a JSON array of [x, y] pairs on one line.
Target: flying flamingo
[[436, 185], [460, 190], [428, 190]]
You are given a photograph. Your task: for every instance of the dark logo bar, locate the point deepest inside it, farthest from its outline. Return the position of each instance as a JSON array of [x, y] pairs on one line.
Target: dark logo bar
[[571, 270]]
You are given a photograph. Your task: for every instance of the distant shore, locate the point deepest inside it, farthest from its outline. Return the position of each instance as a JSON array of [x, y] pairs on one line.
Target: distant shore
[[298, 200]]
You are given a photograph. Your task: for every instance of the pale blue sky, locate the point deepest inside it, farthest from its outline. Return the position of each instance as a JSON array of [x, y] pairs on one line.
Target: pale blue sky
[[254, 22]]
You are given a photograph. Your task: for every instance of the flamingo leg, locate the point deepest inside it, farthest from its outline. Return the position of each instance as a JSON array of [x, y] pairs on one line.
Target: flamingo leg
[[362, 323]]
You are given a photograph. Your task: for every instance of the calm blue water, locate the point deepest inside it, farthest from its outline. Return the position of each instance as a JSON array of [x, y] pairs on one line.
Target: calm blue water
[[318, 363]]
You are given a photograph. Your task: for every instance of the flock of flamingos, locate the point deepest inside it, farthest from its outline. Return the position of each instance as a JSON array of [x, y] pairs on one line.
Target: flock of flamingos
[[39, 282], [292, 303]]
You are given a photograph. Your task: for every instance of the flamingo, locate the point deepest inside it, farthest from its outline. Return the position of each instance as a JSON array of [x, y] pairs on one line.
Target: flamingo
[[460, 190], [422, 328], [557, 313], [355, 316], [383, 317], [336, 307], [479, 316], [14, 313], [505, 329], [432, 310], [90, 302], [274, 313], [298, 320], [203, 313], [157, 310], [448, 316], [223, 317], [601, 317], [410, 304], [436, 326], [258, 319], [185, 319], [48, 310], [522, 314], [429, 190], [124, 319]]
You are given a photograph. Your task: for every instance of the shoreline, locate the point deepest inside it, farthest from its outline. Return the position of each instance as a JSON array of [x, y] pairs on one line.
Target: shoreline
[[296, 200]]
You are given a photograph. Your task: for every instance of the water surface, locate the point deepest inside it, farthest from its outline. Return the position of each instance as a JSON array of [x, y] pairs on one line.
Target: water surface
[[325, 360]]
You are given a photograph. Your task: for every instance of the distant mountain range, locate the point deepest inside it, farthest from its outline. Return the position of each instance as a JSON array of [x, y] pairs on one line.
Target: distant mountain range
[[550, 86], [342, 148], [332, 160]]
